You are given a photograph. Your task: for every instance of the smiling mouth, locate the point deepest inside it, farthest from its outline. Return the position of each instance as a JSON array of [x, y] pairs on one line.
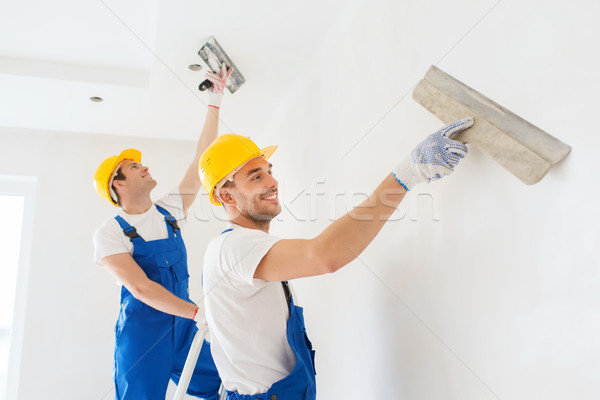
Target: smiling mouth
[[271, 197]]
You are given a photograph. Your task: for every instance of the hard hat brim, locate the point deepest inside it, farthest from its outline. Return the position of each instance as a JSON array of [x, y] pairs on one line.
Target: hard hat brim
[[128, 154], [268, 151]]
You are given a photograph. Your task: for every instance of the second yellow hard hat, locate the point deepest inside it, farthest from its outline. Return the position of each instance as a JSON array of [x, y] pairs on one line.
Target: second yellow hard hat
[[224, 155], [104, 173]]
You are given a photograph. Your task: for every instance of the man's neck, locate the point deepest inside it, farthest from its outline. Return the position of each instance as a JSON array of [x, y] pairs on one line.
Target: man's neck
[[138, 206], [250, 223]]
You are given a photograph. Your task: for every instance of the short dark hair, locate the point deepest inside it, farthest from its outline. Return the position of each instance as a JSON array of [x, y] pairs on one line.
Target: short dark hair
[[118, 177]]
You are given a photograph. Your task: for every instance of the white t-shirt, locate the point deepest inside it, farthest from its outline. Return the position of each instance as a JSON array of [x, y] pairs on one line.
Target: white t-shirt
[[247, 317], [109, 238]]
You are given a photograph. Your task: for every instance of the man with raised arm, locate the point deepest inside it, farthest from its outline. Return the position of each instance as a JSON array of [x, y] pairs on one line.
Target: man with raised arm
[[259, 341], [143, 249]]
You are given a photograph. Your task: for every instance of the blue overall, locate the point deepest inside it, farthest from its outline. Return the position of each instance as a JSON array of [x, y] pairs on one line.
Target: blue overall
[[151, 346], [300, 383]]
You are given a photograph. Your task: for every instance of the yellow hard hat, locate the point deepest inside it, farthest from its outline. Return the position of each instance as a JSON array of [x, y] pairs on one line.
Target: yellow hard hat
[[105, 172], [225, 156]]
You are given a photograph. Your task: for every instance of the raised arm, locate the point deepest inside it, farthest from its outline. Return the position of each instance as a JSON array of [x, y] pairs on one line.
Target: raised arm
[[340, 243], [343, 240], [123, 267], [190, 184]]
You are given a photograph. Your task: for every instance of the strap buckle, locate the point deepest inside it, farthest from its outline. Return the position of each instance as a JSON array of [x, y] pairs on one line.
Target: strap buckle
[[173, 222], [131, 232]]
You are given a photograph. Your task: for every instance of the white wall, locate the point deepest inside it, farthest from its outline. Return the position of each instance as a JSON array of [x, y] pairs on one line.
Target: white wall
[[72, 304], [500, 298], [491, 293]]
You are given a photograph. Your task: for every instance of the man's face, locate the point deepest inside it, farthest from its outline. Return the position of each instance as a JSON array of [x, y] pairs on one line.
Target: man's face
[[137, 177], [255, 191]]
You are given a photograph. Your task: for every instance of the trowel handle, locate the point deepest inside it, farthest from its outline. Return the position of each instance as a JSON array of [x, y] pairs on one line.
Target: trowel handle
[[205, 85]]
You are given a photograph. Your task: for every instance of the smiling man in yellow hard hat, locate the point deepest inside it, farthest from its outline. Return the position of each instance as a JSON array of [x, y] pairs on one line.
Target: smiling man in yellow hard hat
[[259, 340], [143, 249]]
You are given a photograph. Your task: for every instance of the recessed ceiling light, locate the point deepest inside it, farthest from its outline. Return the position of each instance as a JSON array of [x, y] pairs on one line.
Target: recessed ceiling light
[[96, 99], [195, 67]]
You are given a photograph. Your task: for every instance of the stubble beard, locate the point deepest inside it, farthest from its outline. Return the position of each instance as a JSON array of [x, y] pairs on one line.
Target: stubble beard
[[262, 216]]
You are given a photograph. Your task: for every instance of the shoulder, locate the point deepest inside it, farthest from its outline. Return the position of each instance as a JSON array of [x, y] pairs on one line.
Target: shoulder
[[109, 228], [234, 256], [109, 234], [109, 239], [244, 237], [238, 242], [244, 248]]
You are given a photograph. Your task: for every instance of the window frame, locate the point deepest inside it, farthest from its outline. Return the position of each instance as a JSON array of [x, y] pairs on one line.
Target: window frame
[[20, 186]]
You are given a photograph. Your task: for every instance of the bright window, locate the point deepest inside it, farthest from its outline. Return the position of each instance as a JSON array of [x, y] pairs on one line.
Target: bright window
[[11, 215]]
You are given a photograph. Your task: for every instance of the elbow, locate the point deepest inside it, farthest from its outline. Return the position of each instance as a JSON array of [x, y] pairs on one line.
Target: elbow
[[329, 266], [140, 290], [326, 261]]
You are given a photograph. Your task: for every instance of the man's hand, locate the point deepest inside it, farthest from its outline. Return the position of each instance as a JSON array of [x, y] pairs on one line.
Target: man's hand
[[219, 82], [435, 157]]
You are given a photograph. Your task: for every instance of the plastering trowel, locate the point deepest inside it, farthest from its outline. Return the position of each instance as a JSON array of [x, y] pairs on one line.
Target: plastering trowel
[[522, 148], [213, 55]]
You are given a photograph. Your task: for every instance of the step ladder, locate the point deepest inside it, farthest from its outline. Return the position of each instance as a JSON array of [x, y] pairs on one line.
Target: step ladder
[[190, 363]]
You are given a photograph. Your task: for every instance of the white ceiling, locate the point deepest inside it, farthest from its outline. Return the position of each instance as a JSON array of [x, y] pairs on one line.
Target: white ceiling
[[135, 54]]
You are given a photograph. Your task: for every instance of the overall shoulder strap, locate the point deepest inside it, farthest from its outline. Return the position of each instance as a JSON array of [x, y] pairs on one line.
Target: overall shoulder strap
[[128, 230], [169, 218], [287, 292]]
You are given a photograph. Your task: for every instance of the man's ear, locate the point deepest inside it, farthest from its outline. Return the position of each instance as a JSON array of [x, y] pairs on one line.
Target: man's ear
[[226, 197], [119, 184]]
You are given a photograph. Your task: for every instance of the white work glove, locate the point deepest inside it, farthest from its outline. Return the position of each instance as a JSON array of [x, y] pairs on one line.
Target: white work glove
[[434, 158], [219, 82]]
